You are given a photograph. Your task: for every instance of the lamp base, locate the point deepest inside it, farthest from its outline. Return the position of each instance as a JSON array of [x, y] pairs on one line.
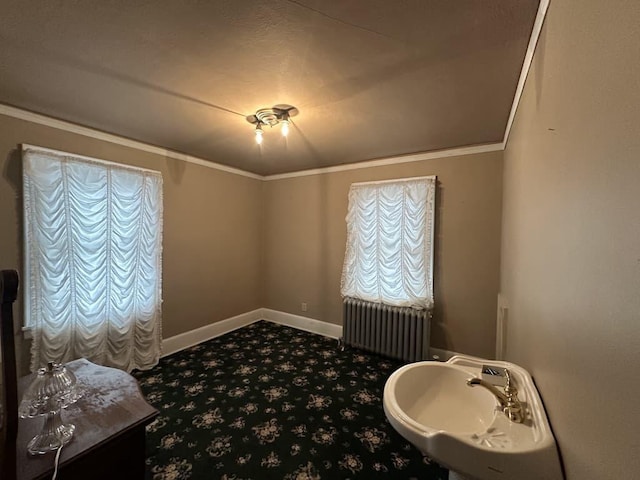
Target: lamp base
[[54, 435]]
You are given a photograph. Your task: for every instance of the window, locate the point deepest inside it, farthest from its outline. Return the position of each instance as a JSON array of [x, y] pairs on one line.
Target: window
[[93, 241], [389, 254]]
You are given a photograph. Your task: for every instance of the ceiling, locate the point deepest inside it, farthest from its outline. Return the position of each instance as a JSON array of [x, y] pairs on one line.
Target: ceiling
[[370, 78]]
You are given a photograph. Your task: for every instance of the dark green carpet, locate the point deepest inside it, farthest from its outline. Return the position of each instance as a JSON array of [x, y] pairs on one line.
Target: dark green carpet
[[272, 402]]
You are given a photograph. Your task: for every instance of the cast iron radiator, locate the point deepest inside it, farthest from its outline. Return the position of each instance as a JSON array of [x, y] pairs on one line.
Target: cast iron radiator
[[397, 332]]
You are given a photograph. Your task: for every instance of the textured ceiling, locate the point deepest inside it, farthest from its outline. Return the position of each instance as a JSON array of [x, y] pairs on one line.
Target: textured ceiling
[[371, 78]]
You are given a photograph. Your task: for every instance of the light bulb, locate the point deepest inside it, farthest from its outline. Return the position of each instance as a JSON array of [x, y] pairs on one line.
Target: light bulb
[[285, 128], [259, 135]]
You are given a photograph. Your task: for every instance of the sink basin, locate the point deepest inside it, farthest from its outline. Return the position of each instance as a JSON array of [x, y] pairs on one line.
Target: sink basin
[[463, 427], [444, 401]]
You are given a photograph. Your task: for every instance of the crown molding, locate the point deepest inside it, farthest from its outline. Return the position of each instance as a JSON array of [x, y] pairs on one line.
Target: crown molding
[[37, 118], [127, 142], [526, 66], [40, 119], [417, 157]]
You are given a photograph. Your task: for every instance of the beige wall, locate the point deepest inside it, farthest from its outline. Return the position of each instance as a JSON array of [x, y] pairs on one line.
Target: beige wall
[[212, 225], [305, 237], [233, 244], [571, 233]]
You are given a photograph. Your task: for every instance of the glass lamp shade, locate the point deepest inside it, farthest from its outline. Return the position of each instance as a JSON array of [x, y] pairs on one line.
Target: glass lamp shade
[[54, 388], [285, 128]]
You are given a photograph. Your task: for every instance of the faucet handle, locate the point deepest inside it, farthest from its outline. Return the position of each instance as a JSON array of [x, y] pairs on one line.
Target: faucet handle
[[507, 375], [514, 409], [509, 389], [494, 375]]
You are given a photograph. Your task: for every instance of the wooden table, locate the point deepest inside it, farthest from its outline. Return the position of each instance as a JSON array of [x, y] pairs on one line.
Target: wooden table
[[110, 420]]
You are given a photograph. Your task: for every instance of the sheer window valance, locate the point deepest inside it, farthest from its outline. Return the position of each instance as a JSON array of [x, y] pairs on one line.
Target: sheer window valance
[[93, 243], [389, 252]]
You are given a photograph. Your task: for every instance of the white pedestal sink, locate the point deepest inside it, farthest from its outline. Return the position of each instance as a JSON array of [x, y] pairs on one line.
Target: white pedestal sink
[[463, 428]]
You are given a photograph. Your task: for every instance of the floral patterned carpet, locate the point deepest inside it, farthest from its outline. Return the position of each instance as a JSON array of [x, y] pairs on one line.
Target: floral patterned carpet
[[272, 402]]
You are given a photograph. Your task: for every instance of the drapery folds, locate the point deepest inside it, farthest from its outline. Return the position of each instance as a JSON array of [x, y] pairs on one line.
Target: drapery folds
[[93, 271], [389, 252]]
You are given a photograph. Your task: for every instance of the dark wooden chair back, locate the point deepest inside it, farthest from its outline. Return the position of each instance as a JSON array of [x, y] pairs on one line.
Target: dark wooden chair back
[[8, 293]]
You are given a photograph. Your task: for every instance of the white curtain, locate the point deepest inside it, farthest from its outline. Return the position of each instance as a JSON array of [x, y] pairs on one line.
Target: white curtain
[[93, 243], [389, 253]]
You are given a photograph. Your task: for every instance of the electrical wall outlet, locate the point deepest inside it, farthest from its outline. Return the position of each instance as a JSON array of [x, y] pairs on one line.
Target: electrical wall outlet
[[303, 306]]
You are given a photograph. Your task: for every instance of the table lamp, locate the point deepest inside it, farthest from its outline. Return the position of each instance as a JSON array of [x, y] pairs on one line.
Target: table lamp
[[54, 388]]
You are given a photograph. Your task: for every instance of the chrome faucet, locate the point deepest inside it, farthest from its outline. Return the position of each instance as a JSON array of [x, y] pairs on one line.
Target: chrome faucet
[[509, 402]]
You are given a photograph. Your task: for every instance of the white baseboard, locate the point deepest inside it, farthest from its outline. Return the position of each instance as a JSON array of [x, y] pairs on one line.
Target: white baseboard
[[303, 323], [193, 337]]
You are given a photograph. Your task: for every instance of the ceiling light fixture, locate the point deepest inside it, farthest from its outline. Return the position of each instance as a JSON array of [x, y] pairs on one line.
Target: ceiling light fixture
[[285, 124], [277, 115]]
